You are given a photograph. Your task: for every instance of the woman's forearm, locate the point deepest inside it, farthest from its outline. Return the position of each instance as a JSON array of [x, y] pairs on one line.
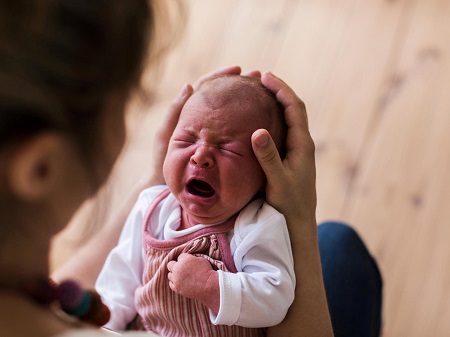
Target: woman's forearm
[[308, 315], [291, 189]]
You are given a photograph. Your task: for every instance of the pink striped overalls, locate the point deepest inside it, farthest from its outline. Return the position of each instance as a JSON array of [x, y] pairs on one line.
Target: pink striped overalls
[[163, 311]]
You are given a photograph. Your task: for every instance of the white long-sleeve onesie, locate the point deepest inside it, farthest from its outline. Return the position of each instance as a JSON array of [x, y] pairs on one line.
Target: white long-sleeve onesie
[[258, 295]]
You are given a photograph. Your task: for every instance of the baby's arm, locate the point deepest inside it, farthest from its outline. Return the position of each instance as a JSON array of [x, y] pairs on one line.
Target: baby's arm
[[117, 282], [260, 294], [193, 277], [122, 271]]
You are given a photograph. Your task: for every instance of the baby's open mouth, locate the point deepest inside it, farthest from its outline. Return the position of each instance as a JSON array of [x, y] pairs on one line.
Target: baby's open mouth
[[200, 188]]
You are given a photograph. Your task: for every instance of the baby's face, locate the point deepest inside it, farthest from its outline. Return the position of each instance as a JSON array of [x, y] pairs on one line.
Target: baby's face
[[210, 166]]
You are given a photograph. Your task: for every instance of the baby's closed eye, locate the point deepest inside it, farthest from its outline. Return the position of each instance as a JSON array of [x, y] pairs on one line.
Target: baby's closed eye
[[179, 140], [232, 148], [184, 141], [231, 151]]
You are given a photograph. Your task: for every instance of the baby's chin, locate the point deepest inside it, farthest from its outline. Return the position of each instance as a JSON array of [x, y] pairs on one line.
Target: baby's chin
[[206, 219]]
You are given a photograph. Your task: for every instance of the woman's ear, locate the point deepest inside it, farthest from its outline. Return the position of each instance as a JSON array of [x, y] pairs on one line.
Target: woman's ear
[[34, 167]]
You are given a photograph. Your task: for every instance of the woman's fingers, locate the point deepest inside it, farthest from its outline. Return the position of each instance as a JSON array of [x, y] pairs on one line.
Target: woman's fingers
[[266, 152], [171, 118], [295, 111], [291, 181], [252, 73], [298, 136], [165, 131], [274, 168], [233, 70]]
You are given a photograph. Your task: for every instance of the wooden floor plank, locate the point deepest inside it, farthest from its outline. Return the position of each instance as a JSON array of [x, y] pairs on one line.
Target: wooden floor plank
[[344, 90], [399, 203]]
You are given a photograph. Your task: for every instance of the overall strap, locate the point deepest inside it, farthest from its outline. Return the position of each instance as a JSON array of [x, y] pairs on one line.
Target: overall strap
[[160, 197]]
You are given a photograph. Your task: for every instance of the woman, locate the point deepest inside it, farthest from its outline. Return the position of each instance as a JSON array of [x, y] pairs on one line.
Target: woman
[[62, 97]]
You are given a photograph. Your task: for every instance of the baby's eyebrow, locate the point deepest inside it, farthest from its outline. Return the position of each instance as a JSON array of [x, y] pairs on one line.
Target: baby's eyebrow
[[213, 138], [225, 140], [190, 131]]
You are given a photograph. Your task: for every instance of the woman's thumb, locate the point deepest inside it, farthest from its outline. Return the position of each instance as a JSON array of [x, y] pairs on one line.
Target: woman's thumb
[[266, 152]]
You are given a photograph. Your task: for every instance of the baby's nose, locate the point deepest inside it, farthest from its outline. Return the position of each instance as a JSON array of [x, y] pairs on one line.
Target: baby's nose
[[203, 157]]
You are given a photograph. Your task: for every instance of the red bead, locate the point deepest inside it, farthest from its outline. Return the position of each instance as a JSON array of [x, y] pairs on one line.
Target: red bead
[[98, 313], [41, 290]]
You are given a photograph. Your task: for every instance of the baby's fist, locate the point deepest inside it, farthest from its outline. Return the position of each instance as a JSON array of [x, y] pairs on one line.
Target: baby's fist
[[194, 277]]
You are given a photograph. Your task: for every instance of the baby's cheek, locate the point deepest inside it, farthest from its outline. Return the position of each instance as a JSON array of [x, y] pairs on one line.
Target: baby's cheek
[[251, 179], [167, 170], [173, 171]]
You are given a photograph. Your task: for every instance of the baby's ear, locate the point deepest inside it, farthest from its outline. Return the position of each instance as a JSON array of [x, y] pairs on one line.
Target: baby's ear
[[34, 166]]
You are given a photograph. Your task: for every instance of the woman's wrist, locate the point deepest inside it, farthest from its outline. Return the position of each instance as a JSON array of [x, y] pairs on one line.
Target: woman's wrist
[[308, 315], [301, 228]]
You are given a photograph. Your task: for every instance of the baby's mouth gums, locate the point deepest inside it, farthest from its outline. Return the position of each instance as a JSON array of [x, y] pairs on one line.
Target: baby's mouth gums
[[200, 188]]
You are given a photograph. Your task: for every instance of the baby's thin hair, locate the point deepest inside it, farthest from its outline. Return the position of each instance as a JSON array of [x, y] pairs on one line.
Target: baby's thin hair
[[247, 91]]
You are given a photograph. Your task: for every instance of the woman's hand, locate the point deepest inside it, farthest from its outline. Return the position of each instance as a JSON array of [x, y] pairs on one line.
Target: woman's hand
[[163, 134], [291, 190], [290, 182]]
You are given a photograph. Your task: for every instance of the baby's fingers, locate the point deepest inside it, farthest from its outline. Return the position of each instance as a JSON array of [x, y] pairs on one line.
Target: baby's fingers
[[170, 266]]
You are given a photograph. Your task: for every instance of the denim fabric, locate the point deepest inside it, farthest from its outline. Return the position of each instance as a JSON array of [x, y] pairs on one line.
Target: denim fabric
[[353, 282]]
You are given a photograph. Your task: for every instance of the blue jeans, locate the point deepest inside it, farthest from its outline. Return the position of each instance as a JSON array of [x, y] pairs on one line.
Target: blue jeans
[[352, 280]]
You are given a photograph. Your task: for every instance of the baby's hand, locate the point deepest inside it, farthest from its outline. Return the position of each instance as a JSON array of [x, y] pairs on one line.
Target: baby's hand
[[194, 277]]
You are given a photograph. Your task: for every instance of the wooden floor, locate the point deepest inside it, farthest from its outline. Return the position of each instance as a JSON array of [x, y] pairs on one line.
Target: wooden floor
[[375, 77]]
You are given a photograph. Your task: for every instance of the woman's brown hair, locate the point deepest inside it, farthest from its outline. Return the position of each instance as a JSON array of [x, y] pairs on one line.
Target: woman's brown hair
[[60, 59]]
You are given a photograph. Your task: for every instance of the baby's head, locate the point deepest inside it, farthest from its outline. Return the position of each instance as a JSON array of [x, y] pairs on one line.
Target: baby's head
[[210, 166], [245, 93]]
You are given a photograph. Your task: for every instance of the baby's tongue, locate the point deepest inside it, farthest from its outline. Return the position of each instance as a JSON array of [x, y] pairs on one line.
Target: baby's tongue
[[201, 188]]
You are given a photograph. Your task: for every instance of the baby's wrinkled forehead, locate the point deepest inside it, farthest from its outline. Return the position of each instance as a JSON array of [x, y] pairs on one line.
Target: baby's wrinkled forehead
[[236, 90], [245, 94]]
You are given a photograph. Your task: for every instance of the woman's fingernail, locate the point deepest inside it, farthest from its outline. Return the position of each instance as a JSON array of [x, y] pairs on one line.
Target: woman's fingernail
[[184, 91], [262, 140]]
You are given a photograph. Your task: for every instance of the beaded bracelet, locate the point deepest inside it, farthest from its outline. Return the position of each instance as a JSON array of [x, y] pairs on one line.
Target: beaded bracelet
[[86, 305]]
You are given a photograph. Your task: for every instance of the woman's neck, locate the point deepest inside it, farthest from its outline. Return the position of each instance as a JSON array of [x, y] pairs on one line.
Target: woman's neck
[[22, 259]]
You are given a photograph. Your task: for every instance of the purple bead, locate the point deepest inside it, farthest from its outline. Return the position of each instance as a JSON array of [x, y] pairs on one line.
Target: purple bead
[[70, 295]]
